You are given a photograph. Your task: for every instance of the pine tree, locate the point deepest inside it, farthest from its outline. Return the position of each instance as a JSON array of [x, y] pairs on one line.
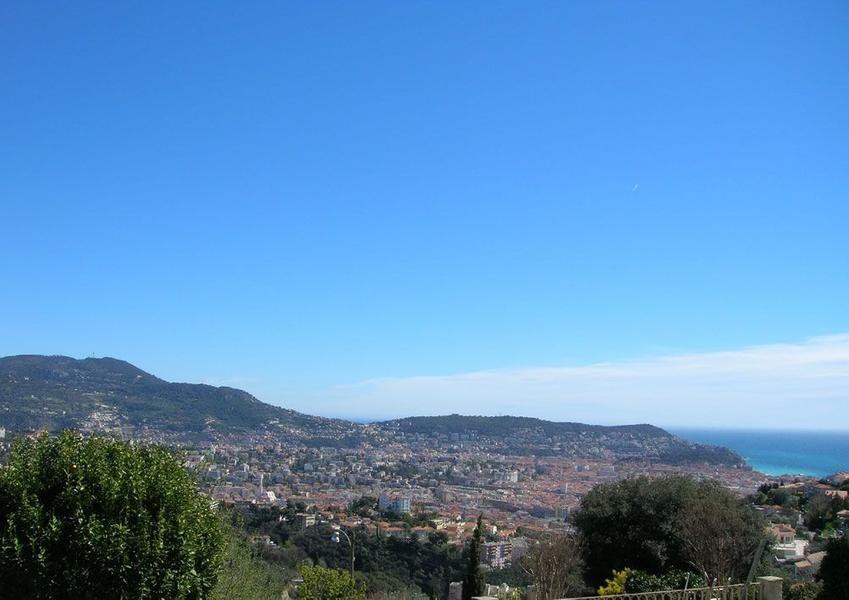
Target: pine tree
[[473, 581]]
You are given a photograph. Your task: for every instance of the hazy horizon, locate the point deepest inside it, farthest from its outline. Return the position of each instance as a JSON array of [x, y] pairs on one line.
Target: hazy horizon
[[760, 386]]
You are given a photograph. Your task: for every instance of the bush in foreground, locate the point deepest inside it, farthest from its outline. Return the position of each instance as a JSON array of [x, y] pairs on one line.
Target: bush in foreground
[[320, 583], [97, 518]]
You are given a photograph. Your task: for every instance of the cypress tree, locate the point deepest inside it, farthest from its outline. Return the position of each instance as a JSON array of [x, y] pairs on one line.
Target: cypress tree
[[473, 581]]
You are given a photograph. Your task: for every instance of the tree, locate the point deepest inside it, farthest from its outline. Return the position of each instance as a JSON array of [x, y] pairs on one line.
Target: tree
[[473, 581], [321, 583], [555, 565], [834, 570], [819, 511], [631, 523], [364, 506], [719, 534], [654, 525], [90, 518]]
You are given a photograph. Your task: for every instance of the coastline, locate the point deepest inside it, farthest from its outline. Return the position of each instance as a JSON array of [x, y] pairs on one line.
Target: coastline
[[776, 453]]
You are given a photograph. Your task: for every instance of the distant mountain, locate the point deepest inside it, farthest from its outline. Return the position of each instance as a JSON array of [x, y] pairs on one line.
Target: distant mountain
[[507, 425], [526, 435], [58, 392], [109, 395]]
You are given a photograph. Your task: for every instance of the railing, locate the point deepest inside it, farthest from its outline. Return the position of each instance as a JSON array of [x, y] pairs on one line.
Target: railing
[[740, 591]]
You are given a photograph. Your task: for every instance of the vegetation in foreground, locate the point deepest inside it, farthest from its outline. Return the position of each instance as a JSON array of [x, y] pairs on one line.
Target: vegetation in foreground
[[666, 524], [96, 518]]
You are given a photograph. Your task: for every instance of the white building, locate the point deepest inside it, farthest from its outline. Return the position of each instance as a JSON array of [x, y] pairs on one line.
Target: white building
[[787, 547], [398, 504]]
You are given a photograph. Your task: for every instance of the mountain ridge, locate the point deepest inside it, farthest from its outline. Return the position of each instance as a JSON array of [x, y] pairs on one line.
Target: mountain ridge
[[39, 392], [56, 392], [455, 422], [530, 435]]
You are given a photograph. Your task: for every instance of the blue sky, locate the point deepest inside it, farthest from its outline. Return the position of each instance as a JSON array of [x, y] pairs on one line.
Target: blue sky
[[301, 199]]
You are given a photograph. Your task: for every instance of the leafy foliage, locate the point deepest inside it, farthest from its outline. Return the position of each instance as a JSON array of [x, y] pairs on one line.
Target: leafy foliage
[[389, 565], [807, 590], [616, 584], [328, 584], [632, 581], [364, 506], [834, 570], [673, 522], [718, 534], [95, 518], [821, 511], [640, 581]]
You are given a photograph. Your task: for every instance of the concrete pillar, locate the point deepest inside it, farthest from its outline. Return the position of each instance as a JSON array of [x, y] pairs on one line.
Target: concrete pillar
[[771, 588]]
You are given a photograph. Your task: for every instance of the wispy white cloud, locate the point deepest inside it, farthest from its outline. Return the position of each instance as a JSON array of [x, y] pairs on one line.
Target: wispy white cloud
[[798, 385]]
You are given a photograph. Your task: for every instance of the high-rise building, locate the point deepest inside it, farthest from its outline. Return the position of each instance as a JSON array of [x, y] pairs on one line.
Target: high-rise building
[[497, 555]]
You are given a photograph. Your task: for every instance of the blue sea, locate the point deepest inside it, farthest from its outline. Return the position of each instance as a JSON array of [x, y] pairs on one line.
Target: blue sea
[[781, 452]]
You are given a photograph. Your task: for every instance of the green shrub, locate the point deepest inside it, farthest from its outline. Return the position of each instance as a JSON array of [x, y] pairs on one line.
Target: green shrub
[[640, 581], [96, 518], [321, 583]]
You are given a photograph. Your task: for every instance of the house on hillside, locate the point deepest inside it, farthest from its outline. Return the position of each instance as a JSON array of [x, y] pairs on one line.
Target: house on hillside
[[839, 494], [787, 548], [783, 534]]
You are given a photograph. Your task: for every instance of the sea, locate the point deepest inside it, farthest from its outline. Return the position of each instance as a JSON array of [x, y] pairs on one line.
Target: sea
[[813, 453]]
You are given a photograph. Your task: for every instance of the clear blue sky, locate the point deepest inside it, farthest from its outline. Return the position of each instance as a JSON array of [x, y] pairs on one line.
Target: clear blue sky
[[289, 197]]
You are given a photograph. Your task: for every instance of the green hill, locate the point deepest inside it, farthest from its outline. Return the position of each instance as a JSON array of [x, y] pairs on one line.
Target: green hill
[[105, 394], [530, 436], [507, 425], [58, 392]]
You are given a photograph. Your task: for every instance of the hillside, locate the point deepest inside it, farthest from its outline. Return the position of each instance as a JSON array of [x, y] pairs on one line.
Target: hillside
[[507, 425], [58, 392], [526, 435], [106, 394]]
